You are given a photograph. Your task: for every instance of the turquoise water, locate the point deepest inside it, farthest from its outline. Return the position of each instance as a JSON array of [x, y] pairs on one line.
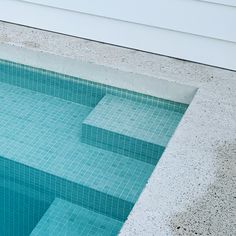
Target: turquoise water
[[17, 209], [75, 155]]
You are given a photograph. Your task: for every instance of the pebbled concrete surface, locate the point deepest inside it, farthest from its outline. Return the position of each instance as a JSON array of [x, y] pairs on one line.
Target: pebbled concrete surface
[[192, 191]]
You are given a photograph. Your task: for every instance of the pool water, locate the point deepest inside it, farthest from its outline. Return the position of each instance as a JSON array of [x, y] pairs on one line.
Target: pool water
[[75, 155], [16, 207]]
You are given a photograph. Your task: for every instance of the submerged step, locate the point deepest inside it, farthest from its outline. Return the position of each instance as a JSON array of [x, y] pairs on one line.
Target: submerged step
[[65, 218], [131, 128], [40, 146], [41, 119], [51, 186]]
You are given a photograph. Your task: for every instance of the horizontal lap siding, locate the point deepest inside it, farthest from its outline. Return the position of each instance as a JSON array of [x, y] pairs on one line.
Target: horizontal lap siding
[[201, 31]]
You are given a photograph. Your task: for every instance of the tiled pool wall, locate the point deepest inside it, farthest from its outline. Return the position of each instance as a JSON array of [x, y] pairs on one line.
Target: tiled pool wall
[[20, 208], [74, 89], [18, 176]]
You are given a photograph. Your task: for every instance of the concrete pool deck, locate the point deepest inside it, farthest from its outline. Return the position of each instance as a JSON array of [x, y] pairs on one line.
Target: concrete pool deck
[[192, 190]]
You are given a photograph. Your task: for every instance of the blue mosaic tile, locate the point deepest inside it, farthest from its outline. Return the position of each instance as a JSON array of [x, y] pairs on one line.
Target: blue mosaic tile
[[130, 128], [44, 133], [42, 149], [19, 212], [64, 218], [50, 186], [72, 88]]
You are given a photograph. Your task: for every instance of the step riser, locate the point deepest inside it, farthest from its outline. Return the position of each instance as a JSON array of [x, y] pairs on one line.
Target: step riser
[[19, 212], [64, 189], [121, 144]]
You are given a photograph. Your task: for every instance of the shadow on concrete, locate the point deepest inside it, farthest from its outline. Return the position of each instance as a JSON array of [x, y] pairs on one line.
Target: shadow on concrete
[[214, 213]]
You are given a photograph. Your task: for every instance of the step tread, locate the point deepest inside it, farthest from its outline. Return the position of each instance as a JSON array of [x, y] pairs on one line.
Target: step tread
[[43, 132], [65, 218], [145, 122]]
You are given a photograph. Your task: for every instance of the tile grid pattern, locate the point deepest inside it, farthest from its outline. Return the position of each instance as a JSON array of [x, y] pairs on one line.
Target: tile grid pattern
[[41, 117], [72, 88], [140, 131], [64, 218], [53, 146]]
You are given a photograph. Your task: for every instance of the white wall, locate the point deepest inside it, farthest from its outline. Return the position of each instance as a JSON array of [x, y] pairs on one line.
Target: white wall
[[198, 30]]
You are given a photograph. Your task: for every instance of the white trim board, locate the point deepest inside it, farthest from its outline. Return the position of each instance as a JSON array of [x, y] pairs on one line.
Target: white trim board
[[170, 42]]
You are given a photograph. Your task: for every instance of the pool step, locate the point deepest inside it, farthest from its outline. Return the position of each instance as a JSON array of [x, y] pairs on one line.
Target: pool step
[[52, 186], [40, 147], [130, 128], [64, 218]]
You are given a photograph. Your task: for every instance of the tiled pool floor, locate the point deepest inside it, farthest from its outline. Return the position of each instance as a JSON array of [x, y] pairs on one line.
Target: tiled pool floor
[[64, 218], [43, 132]]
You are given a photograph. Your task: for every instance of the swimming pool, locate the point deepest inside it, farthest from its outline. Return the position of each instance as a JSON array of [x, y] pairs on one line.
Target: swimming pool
[[75, 155]]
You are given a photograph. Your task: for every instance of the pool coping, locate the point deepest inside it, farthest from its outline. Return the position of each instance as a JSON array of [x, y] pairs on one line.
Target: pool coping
[[192, 189], [98, 73]]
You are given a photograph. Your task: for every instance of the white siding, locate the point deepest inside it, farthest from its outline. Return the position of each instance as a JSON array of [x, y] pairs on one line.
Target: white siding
[[198, 30]]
